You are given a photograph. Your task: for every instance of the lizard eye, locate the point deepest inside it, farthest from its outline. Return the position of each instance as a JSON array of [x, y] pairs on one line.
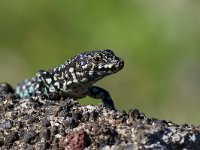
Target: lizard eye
[[97, 58]]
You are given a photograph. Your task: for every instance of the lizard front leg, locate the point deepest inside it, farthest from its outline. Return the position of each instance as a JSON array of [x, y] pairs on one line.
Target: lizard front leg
[[100, 93]]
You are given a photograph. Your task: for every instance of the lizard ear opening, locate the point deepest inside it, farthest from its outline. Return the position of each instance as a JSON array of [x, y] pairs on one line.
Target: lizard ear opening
[[45, 77]]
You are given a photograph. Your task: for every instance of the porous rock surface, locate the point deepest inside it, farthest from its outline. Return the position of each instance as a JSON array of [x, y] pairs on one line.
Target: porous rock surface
[[65, 124]]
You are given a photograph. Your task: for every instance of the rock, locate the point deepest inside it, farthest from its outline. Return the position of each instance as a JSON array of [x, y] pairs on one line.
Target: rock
[[65, 124]]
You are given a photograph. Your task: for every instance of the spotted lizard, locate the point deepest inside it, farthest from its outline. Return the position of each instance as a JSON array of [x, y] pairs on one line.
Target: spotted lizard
[[73, 79]]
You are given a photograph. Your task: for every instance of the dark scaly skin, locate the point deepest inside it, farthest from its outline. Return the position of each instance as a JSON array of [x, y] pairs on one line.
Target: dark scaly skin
[[75, 78]]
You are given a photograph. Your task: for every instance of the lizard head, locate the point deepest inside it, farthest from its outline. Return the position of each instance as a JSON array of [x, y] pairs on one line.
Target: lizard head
[[98, 64]]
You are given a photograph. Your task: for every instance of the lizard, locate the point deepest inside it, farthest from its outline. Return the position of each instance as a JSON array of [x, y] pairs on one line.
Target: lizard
[[73, 79]]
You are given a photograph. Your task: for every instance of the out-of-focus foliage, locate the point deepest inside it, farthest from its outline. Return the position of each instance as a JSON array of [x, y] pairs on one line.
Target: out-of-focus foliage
[[159, 41]]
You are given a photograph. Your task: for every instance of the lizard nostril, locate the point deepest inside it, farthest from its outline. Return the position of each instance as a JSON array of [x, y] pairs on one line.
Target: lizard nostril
[[122, 63]]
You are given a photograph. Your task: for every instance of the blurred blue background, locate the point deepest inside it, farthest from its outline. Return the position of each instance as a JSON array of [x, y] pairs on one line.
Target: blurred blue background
[[158, 40]]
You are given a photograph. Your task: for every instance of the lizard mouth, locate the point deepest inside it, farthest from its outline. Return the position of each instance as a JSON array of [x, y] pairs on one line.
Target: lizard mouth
[[116, 66], [112, 67]]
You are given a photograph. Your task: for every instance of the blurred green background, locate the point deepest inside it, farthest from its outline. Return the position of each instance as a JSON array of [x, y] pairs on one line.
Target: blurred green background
[[159, 41]]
